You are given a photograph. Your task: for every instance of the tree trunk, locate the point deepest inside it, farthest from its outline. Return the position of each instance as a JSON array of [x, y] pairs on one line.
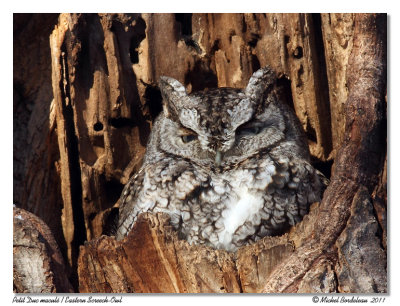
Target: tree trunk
[[331, 69], [38, 263]]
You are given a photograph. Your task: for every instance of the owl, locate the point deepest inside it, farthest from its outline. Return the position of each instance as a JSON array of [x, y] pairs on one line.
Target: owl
[[229, 166]]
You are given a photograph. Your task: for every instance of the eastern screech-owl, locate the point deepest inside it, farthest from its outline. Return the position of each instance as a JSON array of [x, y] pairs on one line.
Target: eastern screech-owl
[[229, 166]]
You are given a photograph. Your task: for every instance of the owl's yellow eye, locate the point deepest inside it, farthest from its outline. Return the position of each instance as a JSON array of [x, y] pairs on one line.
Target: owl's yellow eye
[[187, 135], [188, 138]]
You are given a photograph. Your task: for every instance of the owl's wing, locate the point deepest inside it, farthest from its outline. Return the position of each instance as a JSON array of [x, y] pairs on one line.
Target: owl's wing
[[127, 202], [312, 183]]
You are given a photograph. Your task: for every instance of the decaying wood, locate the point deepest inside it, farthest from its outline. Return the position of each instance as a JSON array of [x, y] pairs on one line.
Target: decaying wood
[[89, 133], [337, 32], [153, 259], [38, 264]]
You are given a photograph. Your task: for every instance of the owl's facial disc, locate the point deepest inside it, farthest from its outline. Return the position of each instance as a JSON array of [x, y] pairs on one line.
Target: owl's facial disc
[[220, 126], [211, 125]]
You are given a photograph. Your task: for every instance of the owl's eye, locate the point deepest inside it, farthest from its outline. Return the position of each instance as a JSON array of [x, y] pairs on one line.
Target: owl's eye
[[188, 138], [248, 130]]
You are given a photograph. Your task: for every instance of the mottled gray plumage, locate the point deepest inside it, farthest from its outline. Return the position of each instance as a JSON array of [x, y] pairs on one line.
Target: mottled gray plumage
[[229, 166]]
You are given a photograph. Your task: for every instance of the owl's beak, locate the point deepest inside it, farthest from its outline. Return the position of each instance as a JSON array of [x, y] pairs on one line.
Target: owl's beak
[[218, 158]]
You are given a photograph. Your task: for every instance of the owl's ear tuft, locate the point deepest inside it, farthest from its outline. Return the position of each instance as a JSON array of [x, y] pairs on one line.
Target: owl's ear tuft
[[259, 82], [173, 94]]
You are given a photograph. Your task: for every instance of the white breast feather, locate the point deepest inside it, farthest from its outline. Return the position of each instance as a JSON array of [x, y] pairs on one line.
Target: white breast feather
[[241, 206]]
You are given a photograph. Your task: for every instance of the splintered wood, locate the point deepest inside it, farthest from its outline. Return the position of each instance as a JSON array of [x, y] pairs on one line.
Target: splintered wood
[[153, 259]]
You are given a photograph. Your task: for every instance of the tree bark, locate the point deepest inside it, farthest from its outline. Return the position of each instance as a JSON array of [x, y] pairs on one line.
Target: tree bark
[[38, 263], [331, 69]]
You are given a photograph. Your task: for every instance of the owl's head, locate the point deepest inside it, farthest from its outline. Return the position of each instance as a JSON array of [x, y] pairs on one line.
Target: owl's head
[[223, 126]]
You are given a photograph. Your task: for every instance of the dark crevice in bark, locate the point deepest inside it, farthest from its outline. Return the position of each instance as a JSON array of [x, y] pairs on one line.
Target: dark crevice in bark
[[322, 82], [74, 168]]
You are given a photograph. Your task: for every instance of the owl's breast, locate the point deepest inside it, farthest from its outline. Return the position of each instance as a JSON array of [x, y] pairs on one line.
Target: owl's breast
[[240, 216], [231, 207]]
